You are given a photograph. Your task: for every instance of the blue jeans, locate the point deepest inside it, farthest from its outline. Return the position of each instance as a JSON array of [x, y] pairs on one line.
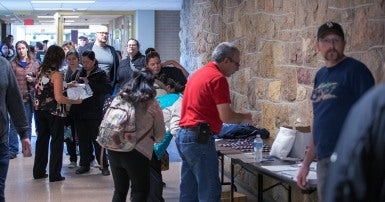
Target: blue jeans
[[14, 136], [4, 164], [199, 175]]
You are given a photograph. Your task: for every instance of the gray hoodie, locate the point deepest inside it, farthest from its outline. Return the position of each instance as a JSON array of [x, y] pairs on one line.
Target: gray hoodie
[[10, 102]]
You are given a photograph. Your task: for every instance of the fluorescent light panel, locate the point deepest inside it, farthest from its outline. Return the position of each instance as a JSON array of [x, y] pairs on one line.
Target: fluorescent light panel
[[62, 2], [45, 16], [71, 16]]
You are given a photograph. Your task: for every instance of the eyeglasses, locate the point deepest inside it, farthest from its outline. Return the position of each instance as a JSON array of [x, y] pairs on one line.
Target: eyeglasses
[[131, 45], [233, 61], [331, 40], [103, 33]]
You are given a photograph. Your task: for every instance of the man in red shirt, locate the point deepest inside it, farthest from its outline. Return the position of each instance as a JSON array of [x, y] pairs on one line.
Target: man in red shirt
[[205, 106]]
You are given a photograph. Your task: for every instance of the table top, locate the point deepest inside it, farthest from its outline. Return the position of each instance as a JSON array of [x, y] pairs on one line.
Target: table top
[[283, 170]]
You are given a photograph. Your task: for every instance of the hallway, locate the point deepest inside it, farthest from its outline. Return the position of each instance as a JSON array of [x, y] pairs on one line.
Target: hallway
[[92, 186]]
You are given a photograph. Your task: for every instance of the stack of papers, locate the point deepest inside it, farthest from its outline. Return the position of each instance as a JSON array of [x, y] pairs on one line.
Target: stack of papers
[[80, 91]]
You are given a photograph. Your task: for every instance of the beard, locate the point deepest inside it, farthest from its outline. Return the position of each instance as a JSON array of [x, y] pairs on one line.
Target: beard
[[333, 55]]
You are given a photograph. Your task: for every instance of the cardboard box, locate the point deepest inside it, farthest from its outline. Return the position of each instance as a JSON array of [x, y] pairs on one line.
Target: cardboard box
[[238, 197]]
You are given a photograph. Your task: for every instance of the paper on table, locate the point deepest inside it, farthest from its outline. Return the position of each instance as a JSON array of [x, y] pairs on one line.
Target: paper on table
[[80, 91]]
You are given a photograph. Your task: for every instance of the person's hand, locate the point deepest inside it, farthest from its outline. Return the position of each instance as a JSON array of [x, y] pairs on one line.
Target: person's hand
[[77, 101], [72, 84], [26, 147], [84, 79], [29, 78], [302, 177]]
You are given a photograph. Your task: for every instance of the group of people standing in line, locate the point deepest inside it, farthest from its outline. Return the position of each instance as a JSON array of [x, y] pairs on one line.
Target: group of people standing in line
[[168, 105], [42, 87]]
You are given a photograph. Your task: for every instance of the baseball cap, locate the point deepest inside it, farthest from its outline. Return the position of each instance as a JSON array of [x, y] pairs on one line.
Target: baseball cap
[[83, 38], [330, 27]]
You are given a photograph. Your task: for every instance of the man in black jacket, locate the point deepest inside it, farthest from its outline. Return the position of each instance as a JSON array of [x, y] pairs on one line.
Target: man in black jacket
[[357, 166]]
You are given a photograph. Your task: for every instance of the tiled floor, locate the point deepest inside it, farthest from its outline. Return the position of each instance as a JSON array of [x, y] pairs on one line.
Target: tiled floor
[[92, 186], [20, 185]]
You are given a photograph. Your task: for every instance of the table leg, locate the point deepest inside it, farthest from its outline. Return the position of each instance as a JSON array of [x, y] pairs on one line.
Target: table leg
[[289, 194], [260, 187], [231, 181]]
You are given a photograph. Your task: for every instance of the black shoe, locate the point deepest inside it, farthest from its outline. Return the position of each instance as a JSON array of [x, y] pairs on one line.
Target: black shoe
[[12, 156], [40, 176], [57, 179], [105, 172], [82, 170]]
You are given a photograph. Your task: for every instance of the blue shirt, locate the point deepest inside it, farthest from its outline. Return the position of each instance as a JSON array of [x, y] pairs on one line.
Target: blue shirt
[[336, 89]]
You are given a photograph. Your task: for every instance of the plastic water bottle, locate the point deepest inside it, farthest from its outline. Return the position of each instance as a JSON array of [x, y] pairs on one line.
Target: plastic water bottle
[[258, 147]]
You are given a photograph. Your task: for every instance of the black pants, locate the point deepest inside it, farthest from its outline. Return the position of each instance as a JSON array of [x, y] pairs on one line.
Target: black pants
[[87, 131], [156, 181], [48, 127], [129, 167]]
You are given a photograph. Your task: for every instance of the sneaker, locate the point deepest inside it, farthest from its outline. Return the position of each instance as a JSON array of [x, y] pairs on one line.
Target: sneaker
[[72, 164], [105, 172], [82, 170], [94, 164]]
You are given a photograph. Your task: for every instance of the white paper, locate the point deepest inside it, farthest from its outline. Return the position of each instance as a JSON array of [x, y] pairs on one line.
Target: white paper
[[80, 91]]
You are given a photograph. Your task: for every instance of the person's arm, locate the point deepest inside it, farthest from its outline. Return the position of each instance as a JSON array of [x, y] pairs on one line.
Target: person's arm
[[309, 157], [177, 65], [57, 79], [228, 115], [17, 114], [158, 124]]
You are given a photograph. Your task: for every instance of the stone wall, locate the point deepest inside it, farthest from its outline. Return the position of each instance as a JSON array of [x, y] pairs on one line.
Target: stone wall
[[279, 58], [277, 40]]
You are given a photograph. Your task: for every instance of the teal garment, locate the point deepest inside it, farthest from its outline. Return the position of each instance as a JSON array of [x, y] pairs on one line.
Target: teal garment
[[167, 100], [161, 147]]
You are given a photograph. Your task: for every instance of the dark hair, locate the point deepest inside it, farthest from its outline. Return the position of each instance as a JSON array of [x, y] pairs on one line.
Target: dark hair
[[39, 45], [151, 54], [53, 58], [32, 49], [72, 52], [1, 47], [178, 88], [148, 50], [8, 39], [136, 41], [140, 86], [91, 55], [26, 45]]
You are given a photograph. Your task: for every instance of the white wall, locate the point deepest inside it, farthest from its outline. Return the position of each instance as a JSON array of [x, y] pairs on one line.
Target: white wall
[[145, 29]]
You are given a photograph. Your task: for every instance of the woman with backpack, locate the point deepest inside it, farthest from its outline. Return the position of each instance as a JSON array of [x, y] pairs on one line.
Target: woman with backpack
[[134, 166]]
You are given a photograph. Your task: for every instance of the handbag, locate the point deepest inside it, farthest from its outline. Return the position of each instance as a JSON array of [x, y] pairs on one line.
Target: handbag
[[165, 162]]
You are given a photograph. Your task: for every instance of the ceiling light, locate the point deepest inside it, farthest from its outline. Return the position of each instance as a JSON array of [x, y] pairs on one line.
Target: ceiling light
[[52, 9], [48, 21], [71, 16], [44, 16], [63, 2]]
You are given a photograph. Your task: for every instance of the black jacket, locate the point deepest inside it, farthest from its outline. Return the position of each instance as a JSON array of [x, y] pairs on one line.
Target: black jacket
[[91, 108], [357, 171], [115, 66]]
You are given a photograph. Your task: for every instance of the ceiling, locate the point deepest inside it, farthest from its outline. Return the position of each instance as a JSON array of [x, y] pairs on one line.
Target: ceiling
[[77, 12]]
